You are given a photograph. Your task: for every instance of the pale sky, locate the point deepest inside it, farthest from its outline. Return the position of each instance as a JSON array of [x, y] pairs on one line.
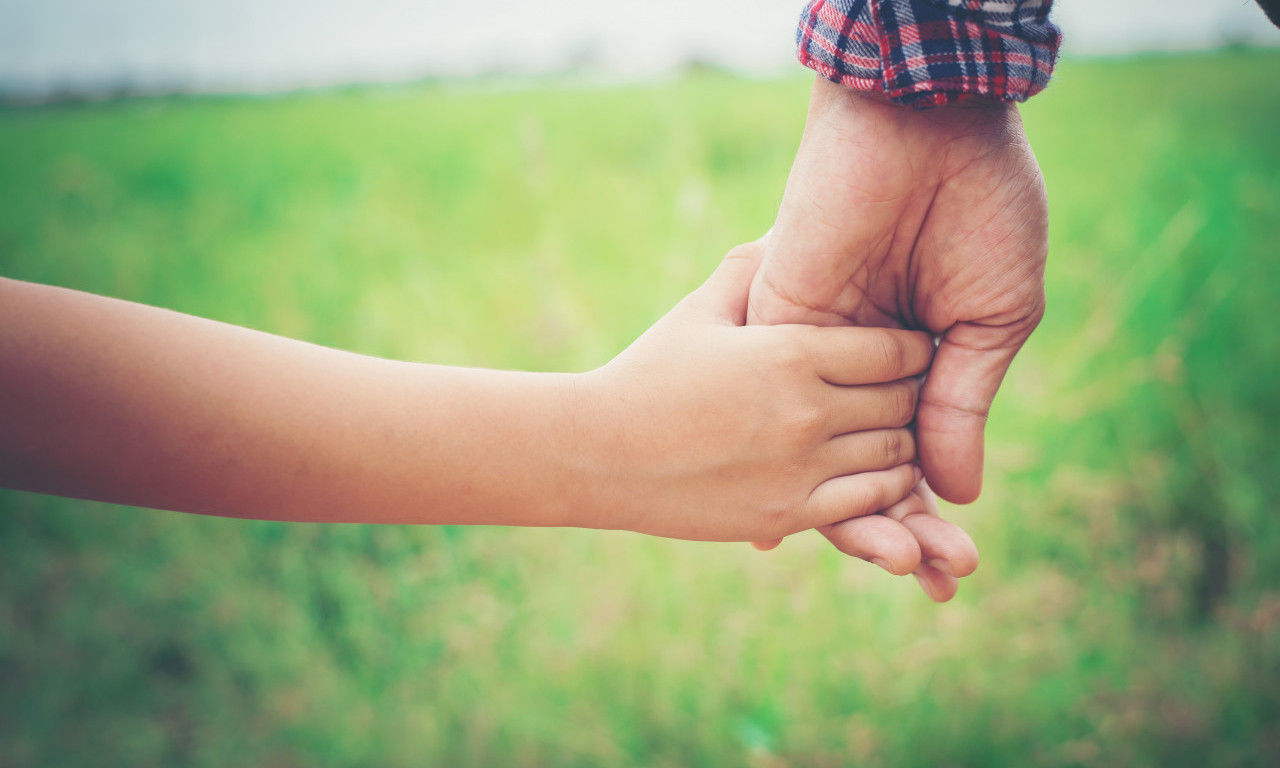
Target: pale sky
[[256, 45]]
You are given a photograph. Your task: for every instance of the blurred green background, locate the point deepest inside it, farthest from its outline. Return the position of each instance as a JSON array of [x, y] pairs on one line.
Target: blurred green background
[[1127, 611]]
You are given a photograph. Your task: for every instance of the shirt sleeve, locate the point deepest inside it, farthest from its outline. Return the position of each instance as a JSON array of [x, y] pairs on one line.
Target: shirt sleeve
[[924, 53]]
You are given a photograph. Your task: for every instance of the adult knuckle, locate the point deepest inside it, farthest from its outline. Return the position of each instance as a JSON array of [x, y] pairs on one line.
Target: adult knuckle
[[947, 416], [1038, 311]]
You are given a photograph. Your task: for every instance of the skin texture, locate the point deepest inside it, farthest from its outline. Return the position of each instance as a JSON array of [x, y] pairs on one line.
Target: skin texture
[[933, 220], [702, 429]]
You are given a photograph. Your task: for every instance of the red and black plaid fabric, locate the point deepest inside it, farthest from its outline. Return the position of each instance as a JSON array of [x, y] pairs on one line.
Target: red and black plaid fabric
[[922, 53]]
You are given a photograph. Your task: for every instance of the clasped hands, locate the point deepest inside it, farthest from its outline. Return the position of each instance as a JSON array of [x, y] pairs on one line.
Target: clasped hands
[[736, 417], [929, 220]]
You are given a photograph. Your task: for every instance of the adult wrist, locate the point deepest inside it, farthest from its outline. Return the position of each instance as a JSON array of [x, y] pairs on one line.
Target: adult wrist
[[858, 115]]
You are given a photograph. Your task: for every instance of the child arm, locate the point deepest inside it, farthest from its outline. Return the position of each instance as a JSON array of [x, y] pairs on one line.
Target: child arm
[[702, 429]]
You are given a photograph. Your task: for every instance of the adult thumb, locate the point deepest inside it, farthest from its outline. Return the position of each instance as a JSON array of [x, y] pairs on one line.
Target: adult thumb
[[723, 297], [951, 418]]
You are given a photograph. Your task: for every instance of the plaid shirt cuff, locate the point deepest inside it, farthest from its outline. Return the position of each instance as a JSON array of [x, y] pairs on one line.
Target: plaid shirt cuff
[[923, 53]]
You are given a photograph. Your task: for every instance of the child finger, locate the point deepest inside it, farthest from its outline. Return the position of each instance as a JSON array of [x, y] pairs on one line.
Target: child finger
[[845, 355], [871, 406], [723, 296], [856, 495], [868, 451], [877, 539]]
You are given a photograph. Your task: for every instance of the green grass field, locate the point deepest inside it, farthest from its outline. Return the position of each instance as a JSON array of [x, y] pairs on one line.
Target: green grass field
[[1127, 611]]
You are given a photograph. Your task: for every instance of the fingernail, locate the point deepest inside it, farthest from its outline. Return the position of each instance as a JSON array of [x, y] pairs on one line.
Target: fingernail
[[941, 565], [882, 563], [919, 473]]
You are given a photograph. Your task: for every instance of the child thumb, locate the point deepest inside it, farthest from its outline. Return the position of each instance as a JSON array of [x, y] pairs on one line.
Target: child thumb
[[724, 294]]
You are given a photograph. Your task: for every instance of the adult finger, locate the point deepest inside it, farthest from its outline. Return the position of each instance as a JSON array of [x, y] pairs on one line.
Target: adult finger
[[876, 538], [967, 370], [892, 546], [944, 546], [856, 355], [940, 587]]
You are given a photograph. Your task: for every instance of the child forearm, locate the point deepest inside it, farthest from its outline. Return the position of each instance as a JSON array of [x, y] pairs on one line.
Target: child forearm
[[701, 429], [114, 401]]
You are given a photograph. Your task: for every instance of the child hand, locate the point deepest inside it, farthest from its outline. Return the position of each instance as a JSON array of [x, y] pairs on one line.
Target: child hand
[[705, 429]]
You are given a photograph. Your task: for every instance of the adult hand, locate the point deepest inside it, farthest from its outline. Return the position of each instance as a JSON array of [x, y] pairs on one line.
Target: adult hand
[[932, 220], [907, 537]]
